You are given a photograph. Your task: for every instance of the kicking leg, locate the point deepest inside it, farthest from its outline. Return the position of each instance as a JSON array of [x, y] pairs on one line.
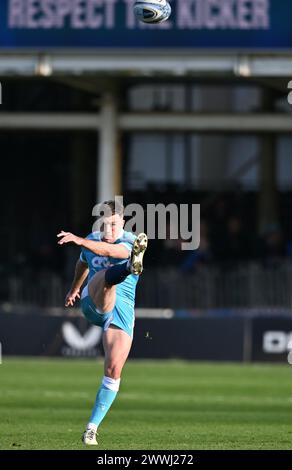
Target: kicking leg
[[102, 294], [117, 344], [102, 286]]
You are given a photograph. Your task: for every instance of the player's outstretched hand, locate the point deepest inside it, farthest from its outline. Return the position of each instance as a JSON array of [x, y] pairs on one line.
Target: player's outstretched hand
[[67, 237], [71, 298]]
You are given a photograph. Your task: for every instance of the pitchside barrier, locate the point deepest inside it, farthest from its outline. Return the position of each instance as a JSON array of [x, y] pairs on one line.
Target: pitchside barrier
[[210, 338]]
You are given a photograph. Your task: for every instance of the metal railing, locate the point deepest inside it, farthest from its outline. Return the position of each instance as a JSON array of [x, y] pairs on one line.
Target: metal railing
[[212, 287]]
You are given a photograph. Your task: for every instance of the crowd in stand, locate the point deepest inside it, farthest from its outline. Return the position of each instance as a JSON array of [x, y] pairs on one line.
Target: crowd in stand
[[227, 238]]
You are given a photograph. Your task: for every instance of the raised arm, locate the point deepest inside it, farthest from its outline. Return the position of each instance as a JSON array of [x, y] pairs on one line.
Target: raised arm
[[98, 248], [81, 273]]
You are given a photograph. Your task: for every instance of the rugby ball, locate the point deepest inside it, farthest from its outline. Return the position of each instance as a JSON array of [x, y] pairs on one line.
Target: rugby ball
[[152, 11]]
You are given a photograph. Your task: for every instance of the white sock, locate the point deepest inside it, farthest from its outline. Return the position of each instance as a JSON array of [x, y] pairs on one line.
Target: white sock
[[111, 384]]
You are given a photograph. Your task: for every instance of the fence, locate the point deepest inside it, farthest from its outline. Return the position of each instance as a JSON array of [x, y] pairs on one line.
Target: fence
[[246, 286]]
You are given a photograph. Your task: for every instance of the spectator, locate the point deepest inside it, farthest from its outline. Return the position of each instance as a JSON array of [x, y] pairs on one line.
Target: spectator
[[202, 255], [273, 247], [237, 241]]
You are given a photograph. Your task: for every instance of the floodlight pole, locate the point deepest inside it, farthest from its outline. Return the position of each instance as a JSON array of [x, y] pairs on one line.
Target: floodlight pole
[[268, 197], [107, 148]]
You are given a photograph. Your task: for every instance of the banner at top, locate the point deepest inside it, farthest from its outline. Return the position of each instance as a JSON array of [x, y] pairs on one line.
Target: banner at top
[[194, 24]]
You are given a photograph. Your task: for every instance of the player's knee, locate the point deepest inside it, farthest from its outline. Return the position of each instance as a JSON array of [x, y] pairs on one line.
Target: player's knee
[[107, 305], [113, 370], [103, 310]]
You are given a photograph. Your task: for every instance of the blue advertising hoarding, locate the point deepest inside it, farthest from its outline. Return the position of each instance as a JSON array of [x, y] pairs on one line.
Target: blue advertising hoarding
[[106, 24]]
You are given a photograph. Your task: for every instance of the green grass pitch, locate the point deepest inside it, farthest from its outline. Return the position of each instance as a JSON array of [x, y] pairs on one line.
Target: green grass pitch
[[45, 404]]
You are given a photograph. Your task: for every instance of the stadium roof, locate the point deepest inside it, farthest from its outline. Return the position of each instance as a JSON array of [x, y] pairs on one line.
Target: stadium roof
[[171, 63]]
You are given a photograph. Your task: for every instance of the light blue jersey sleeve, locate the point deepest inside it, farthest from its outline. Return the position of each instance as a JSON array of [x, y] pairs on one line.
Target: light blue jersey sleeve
[[127, 240], [128, 246], [91, 236]]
